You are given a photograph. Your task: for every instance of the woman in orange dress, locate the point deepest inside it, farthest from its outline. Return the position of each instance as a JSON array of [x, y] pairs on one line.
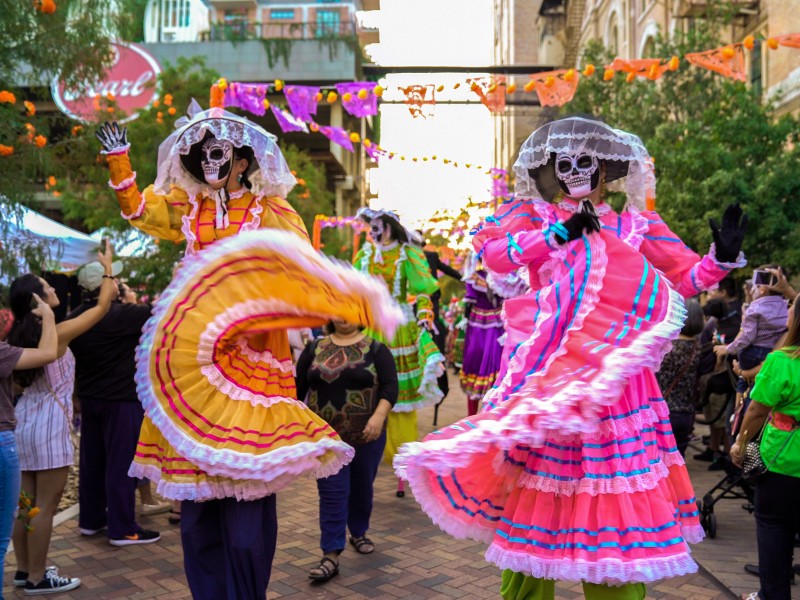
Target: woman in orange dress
[[223, 430]]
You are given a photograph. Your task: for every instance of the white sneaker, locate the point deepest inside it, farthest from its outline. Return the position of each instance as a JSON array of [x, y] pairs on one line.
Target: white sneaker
[[51, 583]]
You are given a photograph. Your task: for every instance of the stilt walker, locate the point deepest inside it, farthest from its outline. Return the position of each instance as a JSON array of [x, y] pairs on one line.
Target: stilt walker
[[570, 471], [404, 269], [223, 430]]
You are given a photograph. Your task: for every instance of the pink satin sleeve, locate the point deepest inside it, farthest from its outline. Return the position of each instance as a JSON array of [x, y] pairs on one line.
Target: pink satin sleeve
[[686, 270]]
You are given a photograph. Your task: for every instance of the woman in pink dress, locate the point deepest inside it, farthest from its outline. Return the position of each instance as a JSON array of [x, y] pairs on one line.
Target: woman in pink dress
[[570, 471]]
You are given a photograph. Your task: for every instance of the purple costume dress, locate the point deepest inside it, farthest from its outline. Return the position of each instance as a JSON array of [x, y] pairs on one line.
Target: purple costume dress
[[482, 350]]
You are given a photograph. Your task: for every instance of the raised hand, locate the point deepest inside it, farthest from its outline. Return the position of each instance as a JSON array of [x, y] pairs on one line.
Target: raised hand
[[576, 225], [112, 137], [42, 310], [106, 257], [728, 238]]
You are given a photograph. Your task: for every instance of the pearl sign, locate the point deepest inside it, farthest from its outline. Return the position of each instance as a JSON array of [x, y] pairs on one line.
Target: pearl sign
[[131, 79]]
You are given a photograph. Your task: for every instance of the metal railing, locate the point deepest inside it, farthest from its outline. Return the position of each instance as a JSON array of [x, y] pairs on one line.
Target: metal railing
[[232, 32]]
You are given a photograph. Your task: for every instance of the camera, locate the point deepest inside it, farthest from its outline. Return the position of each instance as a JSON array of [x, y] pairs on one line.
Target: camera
[[761, 277]]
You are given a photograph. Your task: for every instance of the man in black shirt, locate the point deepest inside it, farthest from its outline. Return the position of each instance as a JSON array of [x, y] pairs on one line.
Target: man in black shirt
[[111, 415]]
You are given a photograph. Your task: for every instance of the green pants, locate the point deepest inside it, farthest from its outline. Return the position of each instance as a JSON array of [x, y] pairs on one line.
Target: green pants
[[517, 586]]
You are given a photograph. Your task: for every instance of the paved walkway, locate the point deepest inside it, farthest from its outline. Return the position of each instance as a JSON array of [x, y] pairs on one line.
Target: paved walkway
[[414, 560]]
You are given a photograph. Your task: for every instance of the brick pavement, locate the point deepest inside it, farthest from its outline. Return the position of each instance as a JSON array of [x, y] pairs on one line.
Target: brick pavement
[[414, 560]]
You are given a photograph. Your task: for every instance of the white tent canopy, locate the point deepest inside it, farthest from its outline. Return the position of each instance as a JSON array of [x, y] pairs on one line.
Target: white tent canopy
[[68, 249]]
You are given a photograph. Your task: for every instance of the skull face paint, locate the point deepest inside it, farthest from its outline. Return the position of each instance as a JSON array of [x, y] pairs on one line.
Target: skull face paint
[[216, 161], [578, 175], [377, 230]]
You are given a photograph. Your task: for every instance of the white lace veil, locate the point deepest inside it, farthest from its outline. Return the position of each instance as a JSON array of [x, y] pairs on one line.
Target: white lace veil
[[271, 175], [629, 167]]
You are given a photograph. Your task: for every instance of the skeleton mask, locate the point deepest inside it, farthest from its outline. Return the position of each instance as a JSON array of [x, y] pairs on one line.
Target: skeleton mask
[[216, 161], [378, 231], [578, 175]]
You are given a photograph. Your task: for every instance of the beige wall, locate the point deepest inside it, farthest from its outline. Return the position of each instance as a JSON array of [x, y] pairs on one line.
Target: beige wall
[[636, 20]]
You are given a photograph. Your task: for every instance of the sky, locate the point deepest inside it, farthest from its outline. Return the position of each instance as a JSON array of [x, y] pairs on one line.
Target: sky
[[433, 32]]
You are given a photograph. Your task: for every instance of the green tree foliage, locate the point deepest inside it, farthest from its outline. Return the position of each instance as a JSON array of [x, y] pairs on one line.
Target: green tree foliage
[[37, 45], [714, 142]]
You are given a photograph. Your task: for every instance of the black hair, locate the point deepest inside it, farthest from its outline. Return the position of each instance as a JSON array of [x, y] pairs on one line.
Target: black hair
[[247, 153], [26, 332], [398, 232], [695, 320], [728, 285]]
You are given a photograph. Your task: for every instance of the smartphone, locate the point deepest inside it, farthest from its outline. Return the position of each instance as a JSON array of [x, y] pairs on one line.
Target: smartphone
[[761, 277]]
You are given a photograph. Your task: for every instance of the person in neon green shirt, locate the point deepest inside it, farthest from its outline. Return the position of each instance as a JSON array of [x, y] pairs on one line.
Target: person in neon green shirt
[[776, 394]]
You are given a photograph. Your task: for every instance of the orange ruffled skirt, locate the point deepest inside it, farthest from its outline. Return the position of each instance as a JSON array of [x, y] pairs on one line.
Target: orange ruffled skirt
[[215, 374]]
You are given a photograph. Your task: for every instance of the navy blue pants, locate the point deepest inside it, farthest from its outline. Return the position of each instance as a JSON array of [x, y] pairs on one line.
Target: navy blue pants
[[345, 499], [106, 495], [228, 547], [750, 357]]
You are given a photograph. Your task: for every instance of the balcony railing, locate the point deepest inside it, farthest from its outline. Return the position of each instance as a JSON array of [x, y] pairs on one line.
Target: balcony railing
[[233, 32]]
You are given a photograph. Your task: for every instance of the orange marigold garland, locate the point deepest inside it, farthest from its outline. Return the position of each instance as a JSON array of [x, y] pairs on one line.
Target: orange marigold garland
[[7, 97], [47, 7], [6, 150]]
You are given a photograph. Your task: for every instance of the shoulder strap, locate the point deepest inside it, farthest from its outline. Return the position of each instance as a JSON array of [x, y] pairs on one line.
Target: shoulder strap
[[681, 373]]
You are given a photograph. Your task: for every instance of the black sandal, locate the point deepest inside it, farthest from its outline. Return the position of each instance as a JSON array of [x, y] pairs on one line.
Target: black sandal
[[323, 571], [363, 545]]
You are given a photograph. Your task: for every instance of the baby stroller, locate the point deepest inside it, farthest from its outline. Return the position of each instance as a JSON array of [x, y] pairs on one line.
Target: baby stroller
[[733, 485]]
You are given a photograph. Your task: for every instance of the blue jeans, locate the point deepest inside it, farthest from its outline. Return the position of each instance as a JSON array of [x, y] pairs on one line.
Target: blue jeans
[[345, 499], [750, 357], [9, 489]]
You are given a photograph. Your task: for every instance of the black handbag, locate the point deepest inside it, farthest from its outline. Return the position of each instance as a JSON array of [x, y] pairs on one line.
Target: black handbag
[[753, 465]]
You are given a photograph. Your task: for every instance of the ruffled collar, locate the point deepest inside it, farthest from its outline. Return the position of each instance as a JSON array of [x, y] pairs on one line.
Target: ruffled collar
[[573, 207]]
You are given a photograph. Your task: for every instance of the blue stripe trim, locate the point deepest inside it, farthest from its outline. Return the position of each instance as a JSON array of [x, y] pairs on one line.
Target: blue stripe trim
[[592, 547], [662, 238], [591, 532]]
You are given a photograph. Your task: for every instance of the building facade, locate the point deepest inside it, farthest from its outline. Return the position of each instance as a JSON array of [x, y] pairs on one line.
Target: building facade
[[629, 28], [258, 41], [517, 41]]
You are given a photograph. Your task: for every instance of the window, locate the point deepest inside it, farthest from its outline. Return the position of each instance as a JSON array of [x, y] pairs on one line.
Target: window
[[175, 13], [649, 49], [328, 22], [613, 36], [282, 14], [756, 69]]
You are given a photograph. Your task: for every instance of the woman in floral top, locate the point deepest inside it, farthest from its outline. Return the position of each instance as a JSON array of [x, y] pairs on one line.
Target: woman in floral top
[[677, 377], [349, 380]]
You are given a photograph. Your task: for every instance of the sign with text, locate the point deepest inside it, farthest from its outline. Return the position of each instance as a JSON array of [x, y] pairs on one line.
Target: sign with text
[[131, 79]]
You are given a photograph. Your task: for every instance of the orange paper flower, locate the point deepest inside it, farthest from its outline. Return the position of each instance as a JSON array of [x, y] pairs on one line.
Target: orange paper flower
[[630, 77], [674, 63], [317, 97], [265, 102], [772, 43], [749, 42], [569, 75], [347, 96], [47, 7], [355, 138], [530, 86], [30, 108], [608, 75], [378, 91], [40, 141], [331, 97], [6, 150], [728, 53], [313, 127], [7, 97], [278, 85], [510, 89], [172, 110], [222, 84], [168, 99], [589, 70]]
